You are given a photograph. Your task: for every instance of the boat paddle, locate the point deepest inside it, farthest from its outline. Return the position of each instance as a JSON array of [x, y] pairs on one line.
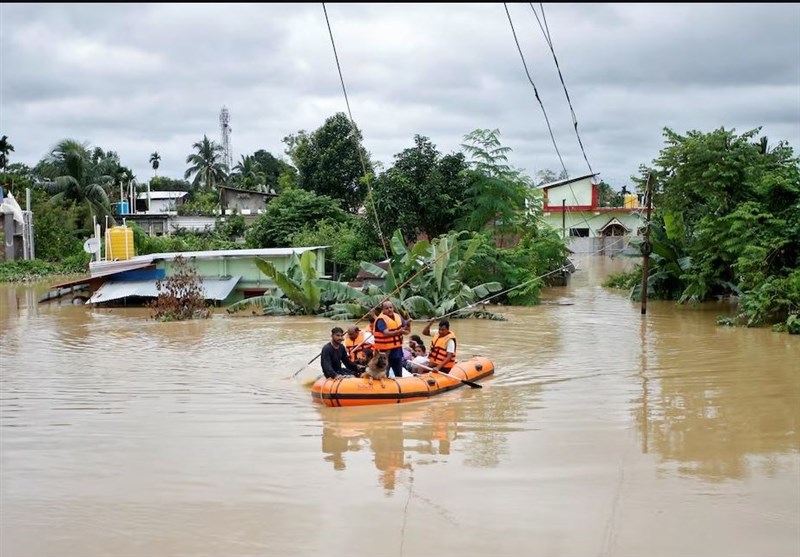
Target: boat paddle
[[470, 383]]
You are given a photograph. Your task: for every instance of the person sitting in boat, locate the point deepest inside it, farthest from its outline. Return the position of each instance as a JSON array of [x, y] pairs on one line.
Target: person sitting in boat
[[442, 356], [420, 358], [410, 352], [334, 356], [356, 342], [389, 330]]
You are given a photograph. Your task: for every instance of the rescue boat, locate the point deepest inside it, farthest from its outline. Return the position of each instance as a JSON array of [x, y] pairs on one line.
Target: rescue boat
[[362, 391]]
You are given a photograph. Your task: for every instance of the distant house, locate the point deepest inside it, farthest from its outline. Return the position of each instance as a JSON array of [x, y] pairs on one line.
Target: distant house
[[161, 202], [161, 217], [571, 207], [246, 202]]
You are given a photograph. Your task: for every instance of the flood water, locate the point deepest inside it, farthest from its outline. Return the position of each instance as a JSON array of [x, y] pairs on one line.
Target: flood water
[[603, 433]]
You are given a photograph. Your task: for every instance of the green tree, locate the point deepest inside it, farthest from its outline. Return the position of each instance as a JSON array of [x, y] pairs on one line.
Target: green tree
[[329, 161], [351, 242], [55, 233], [162, 183], [77, 178], [289, 213], [729, 205], [206, 165], [498, 195], [248, 175], [422, 191], [274, 169]]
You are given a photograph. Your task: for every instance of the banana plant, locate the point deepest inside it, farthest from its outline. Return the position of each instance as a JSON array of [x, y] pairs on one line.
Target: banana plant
[[429, 276], [298, 289]]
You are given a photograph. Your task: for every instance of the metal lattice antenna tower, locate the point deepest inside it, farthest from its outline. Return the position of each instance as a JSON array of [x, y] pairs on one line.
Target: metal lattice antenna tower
[[225, 130]]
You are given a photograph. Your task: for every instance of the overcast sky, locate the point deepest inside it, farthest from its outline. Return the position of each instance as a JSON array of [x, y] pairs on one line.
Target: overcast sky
[[142, 78]]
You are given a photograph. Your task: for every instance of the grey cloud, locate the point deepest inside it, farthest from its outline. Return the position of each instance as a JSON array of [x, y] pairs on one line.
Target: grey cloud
[[139, 78]]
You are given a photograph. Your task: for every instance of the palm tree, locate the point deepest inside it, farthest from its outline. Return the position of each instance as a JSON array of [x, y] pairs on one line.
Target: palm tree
[[155, 160], [74, 178], [206, 165], [249, 174], [5, 149]]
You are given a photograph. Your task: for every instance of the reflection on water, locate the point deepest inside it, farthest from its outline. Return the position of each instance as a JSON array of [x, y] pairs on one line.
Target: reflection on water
[[390, 434], [602, 432], [715, 402]]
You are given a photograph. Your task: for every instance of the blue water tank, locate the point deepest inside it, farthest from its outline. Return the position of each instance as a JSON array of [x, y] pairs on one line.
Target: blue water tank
[[122, 207]]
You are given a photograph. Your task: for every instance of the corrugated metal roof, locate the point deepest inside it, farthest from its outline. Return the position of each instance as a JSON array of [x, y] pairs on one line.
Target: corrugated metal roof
[[233, 253], [104, 272], [214, 289], [163, 194], [100, 268]]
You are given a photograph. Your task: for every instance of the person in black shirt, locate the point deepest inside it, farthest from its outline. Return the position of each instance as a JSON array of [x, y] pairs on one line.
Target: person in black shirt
[[334, 355]]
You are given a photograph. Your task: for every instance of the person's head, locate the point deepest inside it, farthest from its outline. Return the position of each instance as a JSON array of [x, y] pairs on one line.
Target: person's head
[[417, 339], [444, 327], [352, 332], [337, 335], [419, 349], [388, 308]]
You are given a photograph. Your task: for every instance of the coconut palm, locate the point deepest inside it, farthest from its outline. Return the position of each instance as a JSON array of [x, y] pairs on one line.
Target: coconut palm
[[206, 165], [75, 178], [249, 175], [155, 160]]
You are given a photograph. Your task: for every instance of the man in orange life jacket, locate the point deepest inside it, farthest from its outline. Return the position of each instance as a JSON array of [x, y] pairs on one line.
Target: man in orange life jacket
[[389, 330], [358, 343], [442, 356]]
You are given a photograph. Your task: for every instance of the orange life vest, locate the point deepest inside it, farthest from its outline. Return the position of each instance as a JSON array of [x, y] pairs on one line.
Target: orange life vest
[[384, 342], [355, 347], [438, 351]]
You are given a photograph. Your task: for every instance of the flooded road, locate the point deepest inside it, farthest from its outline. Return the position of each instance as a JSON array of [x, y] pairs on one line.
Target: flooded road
[[602, 433]]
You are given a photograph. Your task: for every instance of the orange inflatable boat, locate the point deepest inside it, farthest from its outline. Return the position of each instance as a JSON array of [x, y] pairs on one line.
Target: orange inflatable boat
[[361, 391]]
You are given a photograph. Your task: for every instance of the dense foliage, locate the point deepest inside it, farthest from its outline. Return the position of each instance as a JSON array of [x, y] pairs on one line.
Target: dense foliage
[[727, 222]]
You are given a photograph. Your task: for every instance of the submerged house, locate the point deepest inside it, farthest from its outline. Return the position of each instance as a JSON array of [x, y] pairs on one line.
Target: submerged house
[[571, 207], [227, 275]]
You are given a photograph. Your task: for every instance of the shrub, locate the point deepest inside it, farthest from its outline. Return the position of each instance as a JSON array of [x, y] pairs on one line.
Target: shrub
[[180, 296]]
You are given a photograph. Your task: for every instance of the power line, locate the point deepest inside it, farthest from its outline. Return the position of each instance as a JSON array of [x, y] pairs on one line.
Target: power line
[[355, 139], [536, 92], [549, 40]]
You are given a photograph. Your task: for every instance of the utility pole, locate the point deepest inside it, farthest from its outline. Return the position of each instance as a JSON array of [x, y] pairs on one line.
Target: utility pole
[[646, 247], [563, 218]]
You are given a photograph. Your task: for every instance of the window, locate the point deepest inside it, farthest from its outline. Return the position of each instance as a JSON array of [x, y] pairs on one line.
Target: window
[[579, 232]]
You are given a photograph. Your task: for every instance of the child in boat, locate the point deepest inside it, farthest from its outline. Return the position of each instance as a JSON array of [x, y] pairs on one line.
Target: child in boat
[[420, 357]]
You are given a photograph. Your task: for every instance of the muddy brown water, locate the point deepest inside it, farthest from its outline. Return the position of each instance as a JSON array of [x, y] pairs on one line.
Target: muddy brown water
[[602, 433]]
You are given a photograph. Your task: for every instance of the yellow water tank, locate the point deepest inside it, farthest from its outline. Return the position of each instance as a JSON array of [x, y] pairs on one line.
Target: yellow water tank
[[119, 240], [631, 200]]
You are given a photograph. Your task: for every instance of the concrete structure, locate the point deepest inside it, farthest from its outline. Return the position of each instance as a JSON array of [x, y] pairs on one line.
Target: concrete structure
[[17, 228], [246, 202], [161, 202], [571, 207], [162, 216]]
